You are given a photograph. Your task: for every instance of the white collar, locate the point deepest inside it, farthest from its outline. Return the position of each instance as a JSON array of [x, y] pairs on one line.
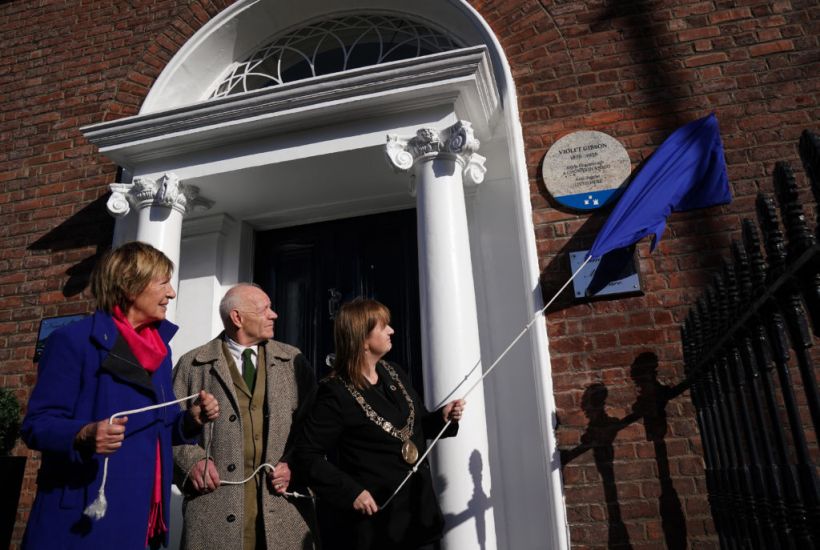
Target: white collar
[[236, 350]]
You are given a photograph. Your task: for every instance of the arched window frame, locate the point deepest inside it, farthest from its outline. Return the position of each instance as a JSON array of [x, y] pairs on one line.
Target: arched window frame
[[332, 45]]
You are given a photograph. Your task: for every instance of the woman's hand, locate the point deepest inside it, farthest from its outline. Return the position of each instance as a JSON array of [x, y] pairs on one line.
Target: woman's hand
[[365, 504], [453, 410], [102, 437], [200, 481], [205, 408], [279, 477]]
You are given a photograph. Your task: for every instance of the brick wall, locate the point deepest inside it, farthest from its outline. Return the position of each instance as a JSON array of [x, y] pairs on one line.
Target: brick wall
[[62, 66], [635, 69]]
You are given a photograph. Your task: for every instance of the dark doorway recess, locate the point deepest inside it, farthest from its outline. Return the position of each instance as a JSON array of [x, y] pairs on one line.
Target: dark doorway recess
[[310, 270]]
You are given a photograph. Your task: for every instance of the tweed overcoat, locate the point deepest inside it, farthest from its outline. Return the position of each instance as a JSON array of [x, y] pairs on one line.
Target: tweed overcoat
[[215, 520], [86, 374]]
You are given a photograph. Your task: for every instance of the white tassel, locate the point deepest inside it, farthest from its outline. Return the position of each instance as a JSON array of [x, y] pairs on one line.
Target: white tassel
[[96, 510]]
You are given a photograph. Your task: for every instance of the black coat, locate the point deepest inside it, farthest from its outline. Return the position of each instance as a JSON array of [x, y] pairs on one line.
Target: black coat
[[370, 458]]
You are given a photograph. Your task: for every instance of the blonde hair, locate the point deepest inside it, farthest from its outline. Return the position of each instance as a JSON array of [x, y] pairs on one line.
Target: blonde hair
[[123, 273], [354, 322]]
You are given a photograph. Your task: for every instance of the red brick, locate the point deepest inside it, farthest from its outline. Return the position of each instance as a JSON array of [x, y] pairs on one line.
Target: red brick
[[706, 59], [698, 33], [769, 48], [729, 15]]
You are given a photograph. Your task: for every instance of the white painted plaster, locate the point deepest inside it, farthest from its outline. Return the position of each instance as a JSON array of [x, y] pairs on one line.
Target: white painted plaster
[[336, 143]]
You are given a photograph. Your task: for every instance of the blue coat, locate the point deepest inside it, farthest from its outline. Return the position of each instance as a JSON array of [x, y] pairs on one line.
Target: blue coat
[[87, 373]]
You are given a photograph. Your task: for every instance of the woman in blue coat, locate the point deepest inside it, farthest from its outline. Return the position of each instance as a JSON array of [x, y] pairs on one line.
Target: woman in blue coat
[[115, 360]]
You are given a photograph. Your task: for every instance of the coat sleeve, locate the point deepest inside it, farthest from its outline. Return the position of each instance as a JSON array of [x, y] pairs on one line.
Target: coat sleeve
[[433, 422], [186, 455], [50, 424], [306, 391], [320, 433]]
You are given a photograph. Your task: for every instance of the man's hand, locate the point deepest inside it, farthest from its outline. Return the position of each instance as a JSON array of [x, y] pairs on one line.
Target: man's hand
[[102, 437], [205, 408], [201, 482], [279, 478]]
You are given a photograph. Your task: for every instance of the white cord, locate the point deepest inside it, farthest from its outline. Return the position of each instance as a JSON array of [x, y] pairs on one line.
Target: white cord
[[483, 376], [267, 466], [97, 509]]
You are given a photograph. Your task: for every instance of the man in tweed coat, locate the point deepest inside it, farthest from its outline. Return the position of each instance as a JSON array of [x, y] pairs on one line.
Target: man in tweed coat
[[262, 386]]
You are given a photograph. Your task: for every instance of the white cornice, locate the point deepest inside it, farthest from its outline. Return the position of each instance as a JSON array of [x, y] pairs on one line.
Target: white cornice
[[462, 78], [206, 225]]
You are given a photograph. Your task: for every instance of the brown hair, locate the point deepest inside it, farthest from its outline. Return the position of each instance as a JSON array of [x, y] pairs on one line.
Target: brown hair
[[124, 272], [353, 324]]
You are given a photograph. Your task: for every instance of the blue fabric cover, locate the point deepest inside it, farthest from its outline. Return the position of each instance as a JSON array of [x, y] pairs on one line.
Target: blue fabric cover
[[687, 171]]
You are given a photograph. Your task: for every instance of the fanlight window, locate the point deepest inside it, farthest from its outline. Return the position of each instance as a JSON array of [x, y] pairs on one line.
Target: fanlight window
[[333, 46]]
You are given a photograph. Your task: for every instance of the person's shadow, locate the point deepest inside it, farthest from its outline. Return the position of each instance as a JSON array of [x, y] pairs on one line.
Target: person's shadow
[[599, 435], [651, 405], [478, 504]]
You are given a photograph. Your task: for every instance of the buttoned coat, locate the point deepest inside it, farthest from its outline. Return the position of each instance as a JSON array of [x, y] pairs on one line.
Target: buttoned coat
[[370, 458], [86, 374], [215, 520]]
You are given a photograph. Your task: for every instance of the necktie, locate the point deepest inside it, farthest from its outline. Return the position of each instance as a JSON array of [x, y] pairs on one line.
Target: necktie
[[248, 370]]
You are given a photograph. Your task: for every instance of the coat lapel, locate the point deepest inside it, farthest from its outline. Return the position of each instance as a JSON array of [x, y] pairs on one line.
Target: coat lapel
[[279, 384], [275, 354], [212, 358], [396, 411], [121, 363]]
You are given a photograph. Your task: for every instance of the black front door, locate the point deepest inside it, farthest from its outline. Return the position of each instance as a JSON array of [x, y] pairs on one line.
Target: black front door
[[310, 270]]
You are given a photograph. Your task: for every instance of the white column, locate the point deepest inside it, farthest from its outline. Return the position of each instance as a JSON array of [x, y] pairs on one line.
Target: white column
[[440, 163], [161, 205]]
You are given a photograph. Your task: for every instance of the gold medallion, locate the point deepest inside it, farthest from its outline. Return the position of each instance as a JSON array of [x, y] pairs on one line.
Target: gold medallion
[[409, 452]]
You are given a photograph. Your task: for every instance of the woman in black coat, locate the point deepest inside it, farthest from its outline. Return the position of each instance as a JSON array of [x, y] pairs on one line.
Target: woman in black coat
[[369, 413]]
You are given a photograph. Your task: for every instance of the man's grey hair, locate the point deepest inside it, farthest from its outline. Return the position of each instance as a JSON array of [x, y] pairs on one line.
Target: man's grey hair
[[231, 301]]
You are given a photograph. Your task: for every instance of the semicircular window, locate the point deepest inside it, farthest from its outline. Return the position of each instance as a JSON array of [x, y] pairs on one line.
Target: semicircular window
[[332, 46]]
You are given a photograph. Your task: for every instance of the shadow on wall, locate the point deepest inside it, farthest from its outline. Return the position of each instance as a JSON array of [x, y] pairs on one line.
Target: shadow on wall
[[478, 504], [601, 432], [91, 226]]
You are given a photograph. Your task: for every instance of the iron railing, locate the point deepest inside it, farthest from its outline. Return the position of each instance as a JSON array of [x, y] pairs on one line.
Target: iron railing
[[749, 332]]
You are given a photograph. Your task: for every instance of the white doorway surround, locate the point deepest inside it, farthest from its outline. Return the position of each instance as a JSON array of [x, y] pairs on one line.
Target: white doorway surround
[[201, 176]]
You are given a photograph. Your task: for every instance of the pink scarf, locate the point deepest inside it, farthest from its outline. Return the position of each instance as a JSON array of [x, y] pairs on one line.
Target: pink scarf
[[149, 349], [146, 344]]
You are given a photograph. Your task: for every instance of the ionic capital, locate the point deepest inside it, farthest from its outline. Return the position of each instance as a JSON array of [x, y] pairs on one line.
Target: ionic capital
[[458, 140], [167, 191]]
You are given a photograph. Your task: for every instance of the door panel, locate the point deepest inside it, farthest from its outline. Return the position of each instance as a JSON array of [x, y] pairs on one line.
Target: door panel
[[308, 271]]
